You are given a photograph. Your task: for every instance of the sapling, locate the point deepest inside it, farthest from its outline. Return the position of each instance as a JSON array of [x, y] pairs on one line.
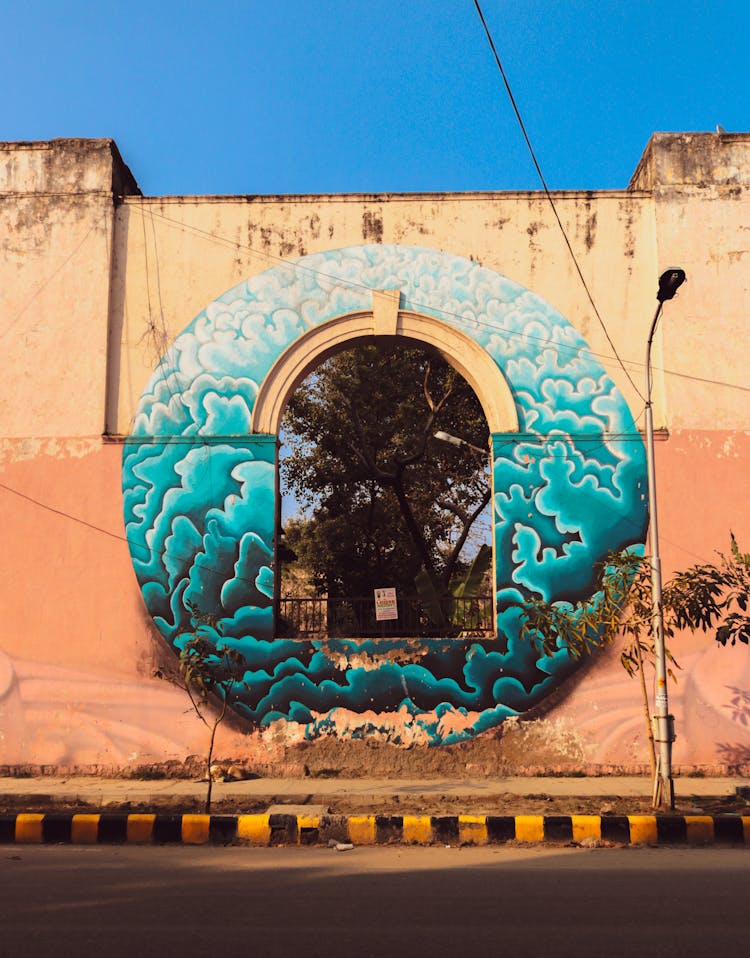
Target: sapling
[[211, 674]]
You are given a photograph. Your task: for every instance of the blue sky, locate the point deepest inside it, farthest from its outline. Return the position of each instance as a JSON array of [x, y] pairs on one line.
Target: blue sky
[[333, 96]]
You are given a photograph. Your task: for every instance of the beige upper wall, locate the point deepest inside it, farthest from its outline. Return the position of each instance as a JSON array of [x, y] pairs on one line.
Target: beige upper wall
[[64, 166], [97, 281], [56, 219], [176, 254], [701, 190]]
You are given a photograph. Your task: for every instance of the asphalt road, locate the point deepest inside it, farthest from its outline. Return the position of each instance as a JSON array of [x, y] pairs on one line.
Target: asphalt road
[[392, 901]]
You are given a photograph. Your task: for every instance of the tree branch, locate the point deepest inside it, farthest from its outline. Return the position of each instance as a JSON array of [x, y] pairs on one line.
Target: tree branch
[[413, 527], [363, 452], [467, 523]]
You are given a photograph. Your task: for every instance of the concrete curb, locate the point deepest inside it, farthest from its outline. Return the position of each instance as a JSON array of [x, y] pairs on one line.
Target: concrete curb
[[284, 829]]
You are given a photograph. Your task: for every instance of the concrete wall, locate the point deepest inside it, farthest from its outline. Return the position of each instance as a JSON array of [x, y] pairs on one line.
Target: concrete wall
[[98, 281]]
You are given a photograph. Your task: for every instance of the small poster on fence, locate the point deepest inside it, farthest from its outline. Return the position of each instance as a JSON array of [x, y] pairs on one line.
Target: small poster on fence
[[385, 605]]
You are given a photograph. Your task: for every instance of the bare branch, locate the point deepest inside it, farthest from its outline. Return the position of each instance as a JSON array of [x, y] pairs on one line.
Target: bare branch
[[467, 523], [427, 394]]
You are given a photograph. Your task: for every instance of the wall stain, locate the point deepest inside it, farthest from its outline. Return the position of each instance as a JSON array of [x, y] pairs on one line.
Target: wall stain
[[590, 235], [372, 226], [626, 209]]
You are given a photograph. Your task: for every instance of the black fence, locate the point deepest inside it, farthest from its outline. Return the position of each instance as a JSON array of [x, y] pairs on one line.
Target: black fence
[[355, 618]]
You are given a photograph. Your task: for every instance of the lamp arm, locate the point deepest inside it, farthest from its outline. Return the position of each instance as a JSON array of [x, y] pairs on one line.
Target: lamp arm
[[652, 331]]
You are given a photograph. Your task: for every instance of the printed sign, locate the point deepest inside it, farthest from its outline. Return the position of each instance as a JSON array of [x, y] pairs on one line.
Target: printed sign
[[385, 605]]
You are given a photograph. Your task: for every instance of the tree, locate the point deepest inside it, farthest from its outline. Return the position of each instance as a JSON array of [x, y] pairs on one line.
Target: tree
[[705, 596], [716, 594], [621, 606], [386, 499], [210, 675]]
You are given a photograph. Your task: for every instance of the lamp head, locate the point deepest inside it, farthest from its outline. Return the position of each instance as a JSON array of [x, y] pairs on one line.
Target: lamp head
[[446, 437], [669, 282]]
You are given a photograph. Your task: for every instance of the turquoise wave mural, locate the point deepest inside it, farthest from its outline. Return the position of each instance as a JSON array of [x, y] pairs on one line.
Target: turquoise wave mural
[[199, 492]]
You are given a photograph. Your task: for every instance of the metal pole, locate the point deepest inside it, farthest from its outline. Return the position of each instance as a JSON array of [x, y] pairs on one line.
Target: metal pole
[[663, 721]]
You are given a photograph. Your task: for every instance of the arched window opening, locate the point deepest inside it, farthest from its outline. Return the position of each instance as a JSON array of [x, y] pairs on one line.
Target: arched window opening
[[385, 483]]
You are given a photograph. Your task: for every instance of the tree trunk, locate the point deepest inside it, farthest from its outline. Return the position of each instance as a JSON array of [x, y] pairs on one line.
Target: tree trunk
[[646, 709]]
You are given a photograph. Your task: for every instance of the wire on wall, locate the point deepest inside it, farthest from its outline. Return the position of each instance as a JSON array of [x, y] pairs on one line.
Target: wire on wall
[[267, 256]]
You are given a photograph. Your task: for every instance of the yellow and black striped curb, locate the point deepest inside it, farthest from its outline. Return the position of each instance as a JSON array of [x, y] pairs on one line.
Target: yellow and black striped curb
[[92, 829]]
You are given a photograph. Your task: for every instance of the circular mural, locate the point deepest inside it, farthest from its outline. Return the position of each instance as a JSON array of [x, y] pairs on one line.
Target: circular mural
[[199, 495]]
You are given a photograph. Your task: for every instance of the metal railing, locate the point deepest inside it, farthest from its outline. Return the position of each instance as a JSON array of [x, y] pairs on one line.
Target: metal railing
[[355, 618]]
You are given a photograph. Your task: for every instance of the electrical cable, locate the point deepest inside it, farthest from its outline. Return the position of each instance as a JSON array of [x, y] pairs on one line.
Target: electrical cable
[[353, 284], [113, 535], [549, 195], [46, 283], [604, 358], [125, 539], [160, 336]]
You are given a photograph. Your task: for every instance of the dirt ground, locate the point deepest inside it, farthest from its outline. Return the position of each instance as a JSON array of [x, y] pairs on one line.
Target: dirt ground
[[539, 743], [535, 803], [535, 749]]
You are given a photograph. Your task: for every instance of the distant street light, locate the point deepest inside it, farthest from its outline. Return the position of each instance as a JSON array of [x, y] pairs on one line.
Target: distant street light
[[455, 441], [669, 282]]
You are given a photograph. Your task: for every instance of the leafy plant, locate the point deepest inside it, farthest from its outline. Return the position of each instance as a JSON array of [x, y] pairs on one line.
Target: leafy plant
[[211, 675], [705, 596], [621, 606], [449, 613], [712, 593]]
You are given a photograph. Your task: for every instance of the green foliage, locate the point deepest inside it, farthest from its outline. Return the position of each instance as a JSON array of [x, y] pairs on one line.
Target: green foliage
[[447, 614], [622, 605], [204, 669], [386, 498], [210, 675], [715, 594], [198, 665], [349, 553], [471, 582], [706, 596]]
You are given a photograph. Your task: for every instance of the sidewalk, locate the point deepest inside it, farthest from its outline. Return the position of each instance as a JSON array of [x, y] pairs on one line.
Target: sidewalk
[[343, 813], [356, 791]]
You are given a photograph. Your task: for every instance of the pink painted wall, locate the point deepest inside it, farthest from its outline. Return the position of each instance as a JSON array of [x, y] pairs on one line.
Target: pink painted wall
[[77, 649]]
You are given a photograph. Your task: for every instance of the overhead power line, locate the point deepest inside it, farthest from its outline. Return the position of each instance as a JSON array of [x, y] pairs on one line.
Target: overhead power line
[[226, 241], [549, 195], [160, 333], [164, 552]]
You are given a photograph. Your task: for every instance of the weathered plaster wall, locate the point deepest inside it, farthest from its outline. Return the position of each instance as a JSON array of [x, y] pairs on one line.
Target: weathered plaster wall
[[175, 254], [56, 221], [96, 282], [701, 195]]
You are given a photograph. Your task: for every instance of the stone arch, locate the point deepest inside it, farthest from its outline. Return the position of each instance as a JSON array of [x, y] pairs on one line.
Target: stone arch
[[199, 484], [312, 348]]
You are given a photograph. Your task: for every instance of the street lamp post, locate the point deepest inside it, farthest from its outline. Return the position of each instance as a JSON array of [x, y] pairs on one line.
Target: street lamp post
[[669, 282]]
